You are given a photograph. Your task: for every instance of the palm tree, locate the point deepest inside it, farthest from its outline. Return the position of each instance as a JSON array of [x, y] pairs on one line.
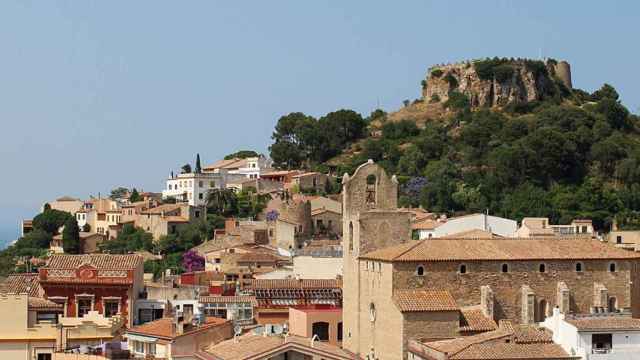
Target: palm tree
[[221, 201]]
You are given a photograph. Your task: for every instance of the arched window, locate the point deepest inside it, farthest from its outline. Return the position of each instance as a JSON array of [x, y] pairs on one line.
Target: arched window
[[612, 267], [371, 190], [372, 312], [321, 329], [612, 304], [505, 268], [351, 236], [463, 269], [579, 267], [420, 270], [542, 268]]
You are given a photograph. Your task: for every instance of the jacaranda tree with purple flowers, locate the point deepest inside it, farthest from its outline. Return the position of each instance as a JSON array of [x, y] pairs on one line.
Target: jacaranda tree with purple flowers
[[191, 261]]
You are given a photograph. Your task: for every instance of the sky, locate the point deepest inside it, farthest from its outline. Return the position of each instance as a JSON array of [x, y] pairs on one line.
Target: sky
[[95, 95]]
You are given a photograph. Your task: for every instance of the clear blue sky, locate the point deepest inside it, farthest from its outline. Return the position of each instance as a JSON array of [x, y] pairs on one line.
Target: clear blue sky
[[100, 94]]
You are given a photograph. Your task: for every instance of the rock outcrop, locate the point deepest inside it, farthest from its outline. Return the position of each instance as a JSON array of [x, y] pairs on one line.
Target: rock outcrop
[[496, 82]]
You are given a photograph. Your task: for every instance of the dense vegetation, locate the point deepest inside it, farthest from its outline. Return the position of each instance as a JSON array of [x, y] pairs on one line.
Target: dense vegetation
[[574, 155]]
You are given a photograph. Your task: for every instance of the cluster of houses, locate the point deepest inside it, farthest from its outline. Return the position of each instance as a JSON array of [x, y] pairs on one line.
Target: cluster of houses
[[350, 276]]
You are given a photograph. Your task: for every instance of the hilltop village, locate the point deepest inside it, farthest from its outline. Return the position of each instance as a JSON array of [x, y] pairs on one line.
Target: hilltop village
[[288, 257]]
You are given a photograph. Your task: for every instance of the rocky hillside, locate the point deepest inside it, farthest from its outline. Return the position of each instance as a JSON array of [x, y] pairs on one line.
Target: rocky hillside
[[496, 82]]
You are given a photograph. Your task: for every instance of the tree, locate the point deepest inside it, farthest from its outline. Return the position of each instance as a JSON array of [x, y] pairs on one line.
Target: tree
[[71, 237], [605, 92], [86, 227], [242, 154], [118, 193], [186, 169], [222, 201], [51, 220], [130, 239], [191, 261], [198, 166], [135, 196]]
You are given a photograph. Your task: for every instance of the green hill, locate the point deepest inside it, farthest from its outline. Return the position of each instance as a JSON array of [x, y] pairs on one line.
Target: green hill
[[494, 144]]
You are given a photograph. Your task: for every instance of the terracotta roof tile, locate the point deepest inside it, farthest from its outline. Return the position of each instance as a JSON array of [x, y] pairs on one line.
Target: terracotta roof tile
[[424, 300], [611, 322], [163, 328], [23, 284], [259, 284], [474, 320], [425, 224], [252, 346], [500, 249], [99, 261], [504, 350], [228, 300], [43, 304]]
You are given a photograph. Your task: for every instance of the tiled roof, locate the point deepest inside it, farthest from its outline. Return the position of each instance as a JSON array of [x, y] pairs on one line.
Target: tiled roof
[[500, 249], [507, 342], [424, 300], [176, 219], [162, 209], [473, 320], [43, 304], [163, 328], [228, 300], [612, 322], [252, 346], [227, 164], [99, 261], [425, 224], [322, 210], [472, 234], [255, 257], [258, 284], [23, 284]]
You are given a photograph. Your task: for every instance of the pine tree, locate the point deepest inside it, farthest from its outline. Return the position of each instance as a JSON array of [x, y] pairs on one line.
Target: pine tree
[[71, 237], [135, 196], [198, 167]]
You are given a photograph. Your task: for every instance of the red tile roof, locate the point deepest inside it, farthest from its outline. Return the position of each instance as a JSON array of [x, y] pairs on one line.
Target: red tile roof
[[609, 322], [99, 261], [228, 300], [43, 304], [258, 284], [424, 300], [473, 320], [500, 249], [23, 284], [163, 328]]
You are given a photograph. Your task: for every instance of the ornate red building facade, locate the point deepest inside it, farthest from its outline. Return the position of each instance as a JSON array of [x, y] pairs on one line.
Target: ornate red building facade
[[108, 284]]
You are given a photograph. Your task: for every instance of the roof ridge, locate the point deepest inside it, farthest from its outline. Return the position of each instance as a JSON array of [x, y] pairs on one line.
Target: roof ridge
[[409, 249]]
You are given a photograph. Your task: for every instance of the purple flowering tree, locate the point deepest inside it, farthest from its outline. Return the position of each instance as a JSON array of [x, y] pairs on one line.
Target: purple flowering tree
[[191, 261], [272, 215], [413, 187]]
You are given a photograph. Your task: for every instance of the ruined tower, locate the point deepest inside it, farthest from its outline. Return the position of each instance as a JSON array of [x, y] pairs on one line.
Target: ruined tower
[[563, 72], [371, 221]]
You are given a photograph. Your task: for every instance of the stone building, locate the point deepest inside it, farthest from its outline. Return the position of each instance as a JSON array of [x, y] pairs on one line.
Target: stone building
[[397, 290]]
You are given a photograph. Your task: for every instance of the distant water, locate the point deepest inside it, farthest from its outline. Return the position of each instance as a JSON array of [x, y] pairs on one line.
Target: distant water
[[8, 233]]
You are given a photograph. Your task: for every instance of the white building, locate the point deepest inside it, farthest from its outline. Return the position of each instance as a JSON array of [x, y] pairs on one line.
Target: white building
[[607, 336], [194, 188], [250, 167], [493, 224]]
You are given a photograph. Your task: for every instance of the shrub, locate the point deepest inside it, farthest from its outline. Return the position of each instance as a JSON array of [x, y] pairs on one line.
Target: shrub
[[424, 84], [457, 101], [436, 73], [434, 98]]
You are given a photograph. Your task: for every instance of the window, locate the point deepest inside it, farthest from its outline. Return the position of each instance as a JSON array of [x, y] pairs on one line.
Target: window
[[463, 269], [350, 236], [84, 306], [584, 229], [340, 331], [111, 308], [420, 270], [542, 311], [372, 312], [578, 267], [42, 356], [619, 239], [212, 184], [217, 260], [542, 268], [612, 304], [201, 196], [505, 268], [151, 349], [197, 213], [612, 267], [371, 190], [48, 317], [321, 329], [138, 347], [200, 183]]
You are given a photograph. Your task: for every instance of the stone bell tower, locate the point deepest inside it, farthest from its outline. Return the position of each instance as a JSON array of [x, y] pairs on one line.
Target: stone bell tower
[[371, 221]]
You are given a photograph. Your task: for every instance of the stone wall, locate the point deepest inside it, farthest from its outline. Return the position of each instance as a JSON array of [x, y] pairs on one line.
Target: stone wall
[[507, 287]]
